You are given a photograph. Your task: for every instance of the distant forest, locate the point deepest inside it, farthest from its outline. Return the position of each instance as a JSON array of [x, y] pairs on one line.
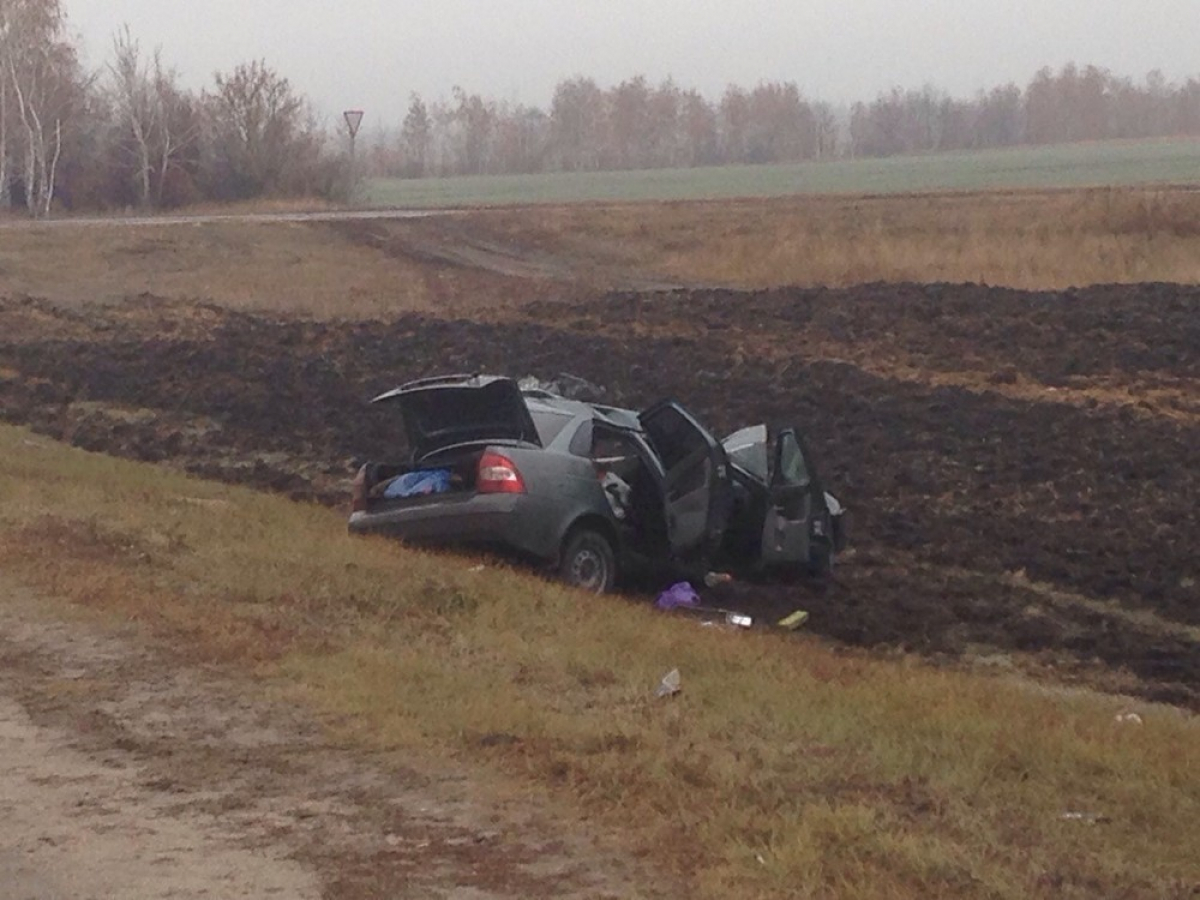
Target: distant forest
[[637, 125], [130, 135]]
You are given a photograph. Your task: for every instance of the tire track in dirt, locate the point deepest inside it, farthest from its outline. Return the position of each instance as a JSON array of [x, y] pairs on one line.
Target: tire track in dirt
[[449, 243]]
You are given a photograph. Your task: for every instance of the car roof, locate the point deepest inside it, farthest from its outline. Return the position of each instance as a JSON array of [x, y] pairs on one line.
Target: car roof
[[544, 401]]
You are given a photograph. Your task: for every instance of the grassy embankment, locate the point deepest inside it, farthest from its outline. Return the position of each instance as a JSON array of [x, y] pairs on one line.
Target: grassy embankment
[[783, 768], [1049, 240]]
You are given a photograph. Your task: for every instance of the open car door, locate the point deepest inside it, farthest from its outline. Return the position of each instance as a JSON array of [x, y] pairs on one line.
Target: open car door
[[785, 537], [696, 474]]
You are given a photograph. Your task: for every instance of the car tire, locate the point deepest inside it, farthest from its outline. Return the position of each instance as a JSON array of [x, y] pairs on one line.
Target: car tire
[[588, 561]]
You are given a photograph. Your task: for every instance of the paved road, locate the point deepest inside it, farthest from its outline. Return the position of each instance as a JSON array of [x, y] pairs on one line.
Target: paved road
[[342, 215]]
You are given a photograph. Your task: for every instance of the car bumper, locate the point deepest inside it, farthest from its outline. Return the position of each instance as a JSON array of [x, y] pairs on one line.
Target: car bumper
[[516, 521]]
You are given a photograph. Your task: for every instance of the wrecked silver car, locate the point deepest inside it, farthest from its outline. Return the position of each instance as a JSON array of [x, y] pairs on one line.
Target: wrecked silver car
[[594, 491]]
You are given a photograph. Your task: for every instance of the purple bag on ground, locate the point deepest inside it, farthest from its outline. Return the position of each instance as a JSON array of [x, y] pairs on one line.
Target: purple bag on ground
[[678, 595]]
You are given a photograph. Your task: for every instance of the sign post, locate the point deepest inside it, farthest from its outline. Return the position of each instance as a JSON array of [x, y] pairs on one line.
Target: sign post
[[353, 119]]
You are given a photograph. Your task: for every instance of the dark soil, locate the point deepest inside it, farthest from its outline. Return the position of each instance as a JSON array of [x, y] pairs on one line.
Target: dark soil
[[982, 521]]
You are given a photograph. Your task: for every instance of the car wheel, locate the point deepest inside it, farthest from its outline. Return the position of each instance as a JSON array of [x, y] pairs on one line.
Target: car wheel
[[588, 562]]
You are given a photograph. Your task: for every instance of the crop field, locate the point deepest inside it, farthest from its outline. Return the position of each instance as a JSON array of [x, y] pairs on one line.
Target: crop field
[[1020, 458], [1114, 164], [1021, 467]]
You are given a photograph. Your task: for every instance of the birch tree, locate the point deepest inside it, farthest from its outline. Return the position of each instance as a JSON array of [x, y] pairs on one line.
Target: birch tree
[[41, 85], [416, 137], [157, 120], [133, 103]]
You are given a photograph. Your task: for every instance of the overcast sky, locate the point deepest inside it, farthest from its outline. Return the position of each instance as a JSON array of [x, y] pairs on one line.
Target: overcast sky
[[373, 53]]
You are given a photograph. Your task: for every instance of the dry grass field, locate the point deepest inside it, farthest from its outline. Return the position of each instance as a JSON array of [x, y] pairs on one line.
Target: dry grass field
[[1004, 388], [786, 767], [482, 262], [1031, 240]]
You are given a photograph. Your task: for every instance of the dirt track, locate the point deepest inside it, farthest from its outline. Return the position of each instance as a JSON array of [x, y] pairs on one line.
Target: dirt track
[[126, 774], [1022, 469]]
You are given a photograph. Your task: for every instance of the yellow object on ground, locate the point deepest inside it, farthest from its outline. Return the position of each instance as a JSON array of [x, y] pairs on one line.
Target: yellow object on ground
[[795, 620]]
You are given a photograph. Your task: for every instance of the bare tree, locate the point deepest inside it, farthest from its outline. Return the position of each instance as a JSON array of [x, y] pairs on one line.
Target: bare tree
[[577, 120], [521, 139], [43, 89], [629, 124], [698, 121], [416, 137], [24, 25], [476, 120], [157, 119], [734, 122], [134, 102], [827, 130], [262, 137], [178, 125], [6, 39]]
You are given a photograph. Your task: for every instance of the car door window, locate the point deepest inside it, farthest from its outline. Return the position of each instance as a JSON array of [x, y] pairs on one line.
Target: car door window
[[747, 449], [581, 441], [785, 536], [791, 466], [674, 438], [691, 479]]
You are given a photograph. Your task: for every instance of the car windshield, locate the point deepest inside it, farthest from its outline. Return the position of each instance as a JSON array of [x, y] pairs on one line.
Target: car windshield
[[747, 449]]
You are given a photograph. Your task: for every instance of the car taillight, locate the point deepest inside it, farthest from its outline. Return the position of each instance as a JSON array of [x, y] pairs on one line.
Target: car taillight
[[358, 492], [498, 475]]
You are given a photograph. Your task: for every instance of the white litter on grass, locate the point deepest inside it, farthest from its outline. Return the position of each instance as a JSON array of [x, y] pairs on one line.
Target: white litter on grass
[[1086, 818], [669, 685], [1131, 718]]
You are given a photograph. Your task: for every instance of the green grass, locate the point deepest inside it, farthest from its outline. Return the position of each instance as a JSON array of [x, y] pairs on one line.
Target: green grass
[[1075, 165], [783, 768]]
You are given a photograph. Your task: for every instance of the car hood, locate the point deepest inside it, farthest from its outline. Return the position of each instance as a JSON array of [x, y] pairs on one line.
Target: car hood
[[442, 412]]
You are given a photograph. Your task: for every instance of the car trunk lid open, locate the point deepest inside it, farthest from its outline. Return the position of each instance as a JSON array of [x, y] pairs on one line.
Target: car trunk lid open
[[444, 412]]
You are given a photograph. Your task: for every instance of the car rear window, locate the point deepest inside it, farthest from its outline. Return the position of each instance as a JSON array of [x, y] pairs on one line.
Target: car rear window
[[549, 424]]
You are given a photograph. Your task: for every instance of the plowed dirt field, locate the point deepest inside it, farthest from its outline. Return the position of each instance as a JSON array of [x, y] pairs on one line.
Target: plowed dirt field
[[1022, 469]]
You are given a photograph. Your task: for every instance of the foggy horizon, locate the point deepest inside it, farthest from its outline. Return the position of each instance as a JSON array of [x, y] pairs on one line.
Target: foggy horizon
[[374, 54]]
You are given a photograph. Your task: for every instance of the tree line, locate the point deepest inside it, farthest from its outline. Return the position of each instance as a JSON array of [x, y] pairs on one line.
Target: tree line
[[638, 125], [130, 135], [1073, 104]]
